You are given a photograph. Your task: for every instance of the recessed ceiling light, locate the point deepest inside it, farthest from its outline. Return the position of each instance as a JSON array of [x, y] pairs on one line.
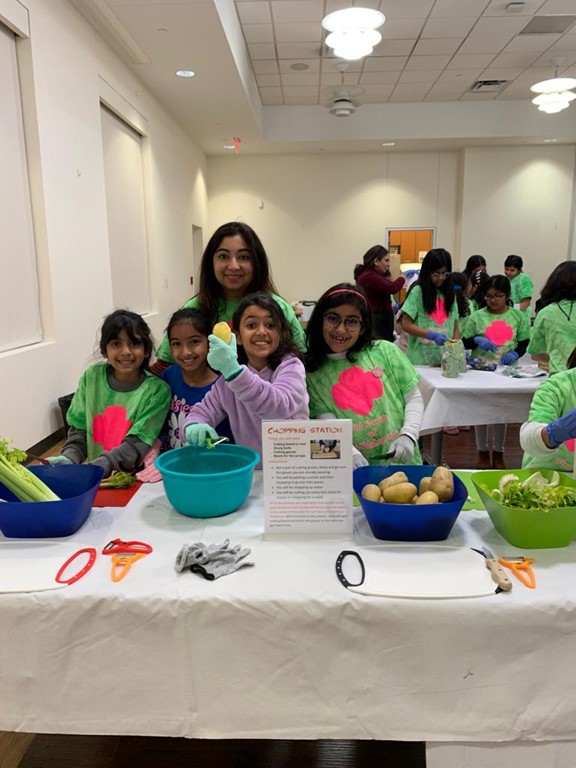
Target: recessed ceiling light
[[228, 146], [388, 143], [550, 141], [185, 73], [299, 66]]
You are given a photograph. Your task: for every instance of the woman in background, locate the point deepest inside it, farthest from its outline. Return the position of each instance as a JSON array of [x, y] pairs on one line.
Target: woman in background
[[553, 334], [373, 276]]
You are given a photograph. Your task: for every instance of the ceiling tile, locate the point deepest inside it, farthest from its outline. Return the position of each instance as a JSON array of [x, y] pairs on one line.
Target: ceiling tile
[[409, 92], [498, 27], [517, 89], [442, 28], [383, 63], [332, 65], [550, 58], [334, 79], [501, 73], [394, 47], [522, 43], [514, 59], [265, 67], [432, 46], [427, 62], [268, 80], [483, 44], [271, 96], [458, 8], [302, 95], [298, 50], [477, 96], [298, 33], [376, 93], [258, 33], [402, 29], [286, 64], [301, 79], [261, 51], [498, 8], [566, 43], [464, 77], [368, 78], [401, 9], [557, 7], [445, 91], [471, 60], [254, 13], [428, 76], [535, 75], [296, 11]]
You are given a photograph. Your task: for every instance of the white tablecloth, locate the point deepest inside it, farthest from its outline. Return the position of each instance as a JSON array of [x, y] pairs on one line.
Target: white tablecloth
[[476, 397], [282, 650]]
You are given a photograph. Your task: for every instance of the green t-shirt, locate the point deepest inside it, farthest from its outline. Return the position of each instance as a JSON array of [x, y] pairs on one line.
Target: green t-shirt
[[504, 330], [369, 391], [554, 331], [108, 416], [554, 398], [423, 351], [227, 309], [521, 287]]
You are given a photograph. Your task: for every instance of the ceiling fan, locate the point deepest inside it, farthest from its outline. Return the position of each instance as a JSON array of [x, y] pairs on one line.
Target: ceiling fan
[[342, 100]]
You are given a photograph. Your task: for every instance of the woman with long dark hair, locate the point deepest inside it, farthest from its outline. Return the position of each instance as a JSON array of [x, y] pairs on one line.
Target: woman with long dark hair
[[374, 277]]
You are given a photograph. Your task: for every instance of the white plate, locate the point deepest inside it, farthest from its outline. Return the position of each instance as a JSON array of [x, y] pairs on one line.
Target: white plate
[[28, 565]]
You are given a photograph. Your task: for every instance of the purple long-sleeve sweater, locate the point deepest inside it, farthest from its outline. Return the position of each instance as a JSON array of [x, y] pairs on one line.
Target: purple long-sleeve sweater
[[253, 396]]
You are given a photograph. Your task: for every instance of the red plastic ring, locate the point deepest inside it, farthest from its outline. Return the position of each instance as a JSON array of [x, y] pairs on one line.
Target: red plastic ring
[[91, 552]]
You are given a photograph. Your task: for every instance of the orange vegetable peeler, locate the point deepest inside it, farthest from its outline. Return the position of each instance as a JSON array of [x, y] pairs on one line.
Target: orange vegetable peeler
[[521, 568]]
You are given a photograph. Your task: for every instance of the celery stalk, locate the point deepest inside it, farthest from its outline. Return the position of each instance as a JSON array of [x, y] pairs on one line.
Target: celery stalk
[[23, 483]]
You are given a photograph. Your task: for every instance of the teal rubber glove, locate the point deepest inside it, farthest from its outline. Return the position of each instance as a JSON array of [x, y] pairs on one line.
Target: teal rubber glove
[[59, 460], [223, 357], [196, 434]]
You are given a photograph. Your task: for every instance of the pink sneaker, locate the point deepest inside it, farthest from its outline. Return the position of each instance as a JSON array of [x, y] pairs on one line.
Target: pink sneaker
[[451, 430]]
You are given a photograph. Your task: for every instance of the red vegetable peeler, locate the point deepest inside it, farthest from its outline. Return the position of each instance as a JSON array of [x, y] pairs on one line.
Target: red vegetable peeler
[[124, 554]]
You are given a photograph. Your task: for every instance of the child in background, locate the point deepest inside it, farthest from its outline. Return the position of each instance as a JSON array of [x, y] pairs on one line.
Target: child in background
[[430, 312], [262, 376], [548, 437], [521, 285], [553, 334], [190, 379], [460, 284], [234, 264], [498, 333], [351, 376], [119, 407]]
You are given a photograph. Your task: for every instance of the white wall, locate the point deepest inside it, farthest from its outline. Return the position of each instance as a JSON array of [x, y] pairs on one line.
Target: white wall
[[519, 200], [66, 60], [321, 213]]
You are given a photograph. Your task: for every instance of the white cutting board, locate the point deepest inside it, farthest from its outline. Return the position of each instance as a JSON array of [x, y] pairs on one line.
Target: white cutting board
[[28, 565], [424, 571]]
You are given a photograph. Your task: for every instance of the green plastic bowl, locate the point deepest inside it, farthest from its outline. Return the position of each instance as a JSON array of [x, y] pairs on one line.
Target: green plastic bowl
[[528, 528], [207, 482]]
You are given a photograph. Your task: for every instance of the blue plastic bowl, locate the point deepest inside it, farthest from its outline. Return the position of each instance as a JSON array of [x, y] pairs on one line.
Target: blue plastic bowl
[[207, 482], [408, 522], [75, 484]]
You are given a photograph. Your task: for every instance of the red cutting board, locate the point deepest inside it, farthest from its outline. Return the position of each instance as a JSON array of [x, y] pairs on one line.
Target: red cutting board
[[115, 497]]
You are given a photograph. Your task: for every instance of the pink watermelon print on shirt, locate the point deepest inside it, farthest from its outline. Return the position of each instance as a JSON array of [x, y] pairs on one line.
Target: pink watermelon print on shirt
[[356, 390], [499, 332], [110, 428], [439, 314], [570, 444]]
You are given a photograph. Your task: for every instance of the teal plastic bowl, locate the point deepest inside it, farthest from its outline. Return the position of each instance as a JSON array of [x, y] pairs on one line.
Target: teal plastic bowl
[[207, 482]]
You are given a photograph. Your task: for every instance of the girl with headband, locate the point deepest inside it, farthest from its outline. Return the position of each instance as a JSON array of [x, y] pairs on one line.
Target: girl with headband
[[352, 376]]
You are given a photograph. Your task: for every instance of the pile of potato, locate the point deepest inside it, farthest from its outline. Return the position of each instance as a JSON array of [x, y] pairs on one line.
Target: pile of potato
[[396, 489]]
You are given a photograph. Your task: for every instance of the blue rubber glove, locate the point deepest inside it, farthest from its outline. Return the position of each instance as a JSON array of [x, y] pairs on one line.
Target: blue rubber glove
[[196, 434], [509, 358], [411, 272], [402, 448], [562, 429], [223, 357], [436, 337], [483, 343], [59, 460]]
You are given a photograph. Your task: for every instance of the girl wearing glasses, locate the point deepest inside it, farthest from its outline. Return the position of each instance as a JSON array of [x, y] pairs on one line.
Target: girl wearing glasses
[[351, 376], [262, 376], [373, 276], [430, 312], [498, 333]]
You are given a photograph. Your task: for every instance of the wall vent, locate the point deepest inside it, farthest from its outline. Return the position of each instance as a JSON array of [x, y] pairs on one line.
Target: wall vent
[[488, 86]]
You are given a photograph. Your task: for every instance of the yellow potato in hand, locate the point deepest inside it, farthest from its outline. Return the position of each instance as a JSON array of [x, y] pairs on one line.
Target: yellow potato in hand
[[222, 330]]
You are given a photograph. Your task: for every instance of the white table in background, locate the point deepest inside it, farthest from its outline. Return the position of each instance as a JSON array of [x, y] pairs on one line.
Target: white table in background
[[475, 397]]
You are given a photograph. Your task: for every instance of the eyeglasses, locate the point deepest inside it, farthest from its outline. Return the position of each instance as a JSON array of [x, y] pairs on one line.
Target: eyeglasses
[[350, 323], [495, 296], [440, 274]]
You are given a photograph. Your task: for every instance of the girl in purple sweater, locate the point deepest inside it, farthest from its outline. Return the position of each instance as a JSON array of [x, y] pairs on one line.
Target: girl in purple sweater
[[262, 376]]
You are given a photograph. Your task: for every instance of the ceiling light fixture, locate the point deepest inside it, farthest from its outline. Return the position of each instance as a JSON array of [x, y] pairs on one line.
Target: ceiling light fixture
[[185, 73], [353, 32], [554, 94]]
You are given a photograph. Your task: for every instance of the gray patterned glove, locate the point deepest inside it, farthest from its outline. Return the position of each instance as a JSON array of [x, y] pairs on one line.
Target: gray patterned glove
[[212, 561]]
